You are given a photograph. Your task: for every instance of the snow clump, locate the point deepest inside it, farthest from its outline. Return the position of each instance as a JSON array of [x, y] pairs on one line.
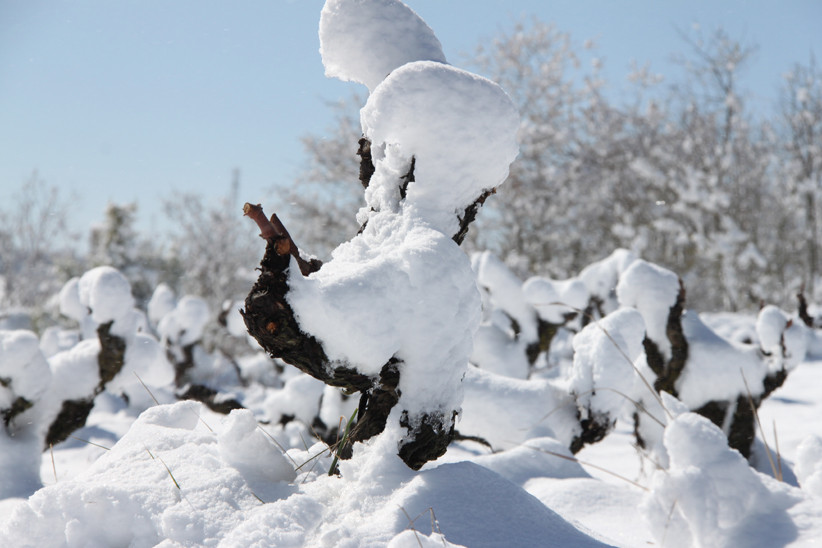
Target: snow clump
[[709, 495], [808, 466], [365, 40], [606, 354], [652, 290], [24, 371]]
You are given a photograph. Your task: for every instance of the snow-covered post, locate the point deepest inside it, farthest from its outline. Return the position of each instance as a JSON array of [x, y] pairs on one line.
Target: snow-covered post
[[393, 313]]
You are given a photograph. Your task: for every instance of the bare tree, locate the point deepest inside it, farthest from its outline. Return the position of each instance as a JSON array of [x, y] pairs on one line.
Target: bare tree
[[206, 246], [35, 257]]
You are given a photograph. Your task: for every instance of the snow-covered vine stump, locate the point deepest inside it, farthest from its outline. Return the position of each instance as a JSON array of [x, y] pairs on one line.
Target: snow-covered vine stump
[[653, 346], [392, 315]]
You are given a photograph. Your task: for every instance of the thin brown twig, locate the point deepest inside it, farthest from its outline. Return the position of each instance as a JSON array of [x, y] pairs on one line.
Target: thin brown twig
[[272, 229]]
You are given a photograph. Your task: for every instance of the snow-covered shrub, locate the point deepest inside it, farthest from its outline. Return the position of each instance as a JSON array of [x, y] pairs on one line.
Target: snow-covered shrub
[[393, 313], [521, 320], [608, 358], [181, 331], [44, 400], [199, 373], [601, 278], [709, 496], [505, 411], [24, 378], [679, 355]]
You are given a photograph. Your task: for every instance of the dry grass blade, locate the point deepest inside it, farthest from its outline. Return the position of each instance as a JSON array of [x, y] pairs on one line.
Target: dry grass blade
[[146, 387], [53, 467], [600, 468], [639, 405], [411, 525], [332, 470], [313, 457], [435, 524], [177, 485], [647, 384], [778, 453], [668, 523], [777, 473], [278, 444], [90, 443], [256, 497]]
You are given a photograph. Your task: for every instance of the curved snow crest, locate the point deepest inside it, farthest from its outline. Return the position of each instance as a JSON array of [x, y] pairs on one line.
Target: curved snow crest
[[460, 129], [465, 498], [365, 40]]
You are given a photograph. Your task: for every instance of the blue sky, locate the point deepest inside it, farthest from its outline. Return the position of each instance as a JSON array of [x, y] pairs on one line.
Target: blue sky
[[127, 100]]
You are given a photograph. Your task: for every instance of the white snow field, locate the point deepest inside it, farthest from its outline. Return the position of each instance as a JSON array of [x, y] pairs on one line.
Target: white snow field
[[148, 470]]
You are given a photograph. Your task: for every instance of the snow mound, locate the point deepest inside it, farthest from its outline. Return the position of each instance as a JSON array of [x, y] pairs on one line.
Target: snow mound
[[168, 479], [506, 411], [106, 292], [477, 520], [161, 303], [809, 465], [365, 40], [553, 299], [709, 496]]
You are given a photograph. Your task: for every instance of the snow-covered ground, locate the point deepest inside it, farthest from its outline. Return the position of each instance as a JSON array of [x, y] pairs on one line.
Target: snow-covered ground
[[530, 377], [182, 475]]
